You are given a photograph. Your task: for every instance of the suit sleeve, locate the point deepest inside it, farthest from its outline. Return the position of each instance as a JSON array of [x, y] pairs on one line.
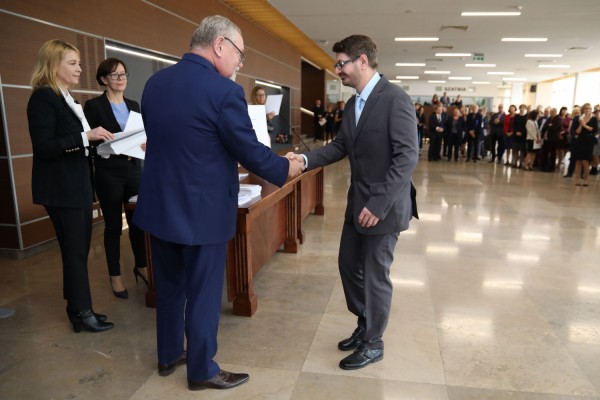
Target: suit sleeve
[[405, 154], [42, 114], [238, 136]]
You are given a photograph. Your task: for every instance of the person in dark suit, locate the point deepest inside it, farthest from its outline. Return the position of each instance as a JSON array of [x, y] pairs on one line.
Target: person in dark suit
[[117, 177], [198, 128], [318, 114], [550, 133], [455, 127], [60, 178], [379, 136], [474, 132], [437, 124]]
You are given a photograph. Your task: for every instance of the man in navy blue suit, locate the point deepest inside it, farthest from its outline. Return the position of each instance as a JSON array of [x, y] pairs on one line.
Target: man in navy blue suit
[[198, 128]]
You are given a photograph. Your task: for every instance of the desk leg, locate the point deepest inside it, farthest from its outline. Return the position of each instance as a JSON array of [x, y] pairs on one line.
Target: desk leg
[[151, 293], [239, 276], [319, 208], [291, 222]]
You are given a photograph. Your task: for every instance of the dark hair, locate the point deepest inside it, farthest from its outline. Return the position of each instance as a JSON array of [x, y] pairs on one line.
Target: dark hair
[[563, 108], [106, 67], [533, 115], [356, 45]]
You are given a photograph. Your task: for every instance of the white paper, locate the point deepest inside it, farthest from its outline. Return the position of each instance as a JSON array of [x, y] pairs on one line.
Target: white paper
[[259, 123], [274, 103], [129, 141]]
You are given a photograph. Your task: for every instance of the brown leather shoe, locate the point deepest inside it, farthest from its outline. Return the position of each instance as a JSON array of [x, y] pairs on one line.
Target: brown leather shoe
[[223, 380], [168, 369]]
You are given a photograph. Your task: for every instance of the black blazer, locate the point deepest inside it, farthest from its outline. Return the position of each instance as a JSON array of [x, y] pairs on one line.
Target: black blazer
[[98, 112], [434, 123], [61, 175]]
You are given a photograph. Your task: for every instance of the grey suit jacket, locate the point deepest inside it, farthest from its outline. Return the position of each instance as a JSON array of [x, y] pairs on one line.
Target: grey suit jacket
[[383, 152]]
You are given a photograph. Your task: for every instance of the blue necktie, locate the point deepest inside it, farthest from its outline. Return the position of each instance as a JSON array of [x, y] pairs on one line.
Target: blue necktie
[[360, 103]]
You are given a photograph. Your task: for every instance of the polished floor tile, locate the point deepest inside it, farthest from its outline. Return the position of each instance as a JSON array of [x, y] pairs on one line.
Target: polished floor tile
[[496, 296]]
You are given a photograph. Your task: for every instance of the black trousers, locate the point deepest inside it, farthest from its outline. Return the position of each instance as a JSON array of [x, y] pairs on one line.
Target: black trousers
[[453, 145], [74, 233], [114, 187], [435, 146], [364, 263], [499, 140], [548, 155]]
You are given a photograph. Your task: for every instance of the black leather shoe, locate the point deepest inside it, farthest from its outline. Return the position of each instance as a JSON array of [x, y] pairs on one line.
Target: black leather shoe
[[361, 357], [86, 321], [99, 317], [168, 369], [223, 380], [353, 341]]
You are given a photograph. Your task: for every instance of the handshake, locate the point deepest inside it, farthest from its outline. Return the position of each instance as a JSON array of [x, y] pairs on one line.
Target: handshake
[[296, 164]]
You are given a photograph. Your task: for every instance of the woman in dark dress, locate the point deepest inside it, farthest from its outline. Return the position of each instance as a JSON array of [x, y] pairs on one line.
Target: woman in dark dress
[[585, 140], [117, 178], [339, 115], [61, 179], [329, 123]]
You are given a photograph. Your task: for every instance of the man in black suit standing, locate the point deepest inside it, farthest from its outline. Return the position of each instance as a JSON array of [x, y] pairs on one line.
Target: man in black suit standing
[[379, 136], [318, 114], [437, 124]]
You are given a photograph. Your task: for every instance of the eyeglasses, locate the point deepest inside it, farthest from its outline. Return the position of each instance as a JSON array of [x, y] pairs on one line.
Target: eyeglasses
[[340, 64], [115, 76], [242, 56]]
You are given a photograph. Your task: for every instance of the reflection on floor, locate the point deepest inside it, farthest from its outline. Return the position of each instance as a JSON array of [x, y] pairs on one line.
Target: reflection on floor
[[497, 296]]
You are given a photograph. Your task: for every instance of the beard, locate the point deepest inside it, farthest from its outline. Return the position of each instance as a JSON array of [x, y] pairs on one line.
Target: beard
[[234, 75]]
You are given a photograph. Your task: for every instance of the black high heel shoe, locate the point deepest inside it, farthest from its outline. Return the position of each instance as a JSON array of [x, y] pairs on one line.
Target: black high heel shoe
[[86, 321], [121, 295], [137, 274]]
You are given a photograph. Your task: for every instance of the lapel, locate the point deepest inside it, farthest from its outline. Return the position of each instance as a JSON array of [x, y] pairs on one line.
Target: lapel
[[68, 107], [108, 113], [369, 106]]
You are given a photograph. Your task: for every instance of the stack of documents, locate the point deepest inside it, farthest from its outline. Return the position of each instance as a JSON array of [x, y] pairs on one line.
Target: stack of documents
[[247, 193], [127, 142]]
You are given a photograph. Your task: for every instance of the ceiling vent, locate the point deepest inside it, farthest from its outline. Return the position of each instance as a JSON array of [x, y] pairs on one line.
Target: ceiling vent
[[442, 47], [434, 60], [454, 27]]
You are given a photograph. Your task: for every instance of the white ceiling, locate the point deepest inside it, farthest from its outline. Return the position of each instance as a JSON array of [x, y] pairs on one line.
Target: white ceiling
[[566, 24]]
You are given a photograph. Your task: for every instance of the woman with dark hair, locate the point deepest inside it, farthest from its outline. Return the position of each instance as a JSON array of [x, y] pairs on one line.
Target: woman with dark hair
[[60, 178], [563, 139], [509, 140], [116, 178]]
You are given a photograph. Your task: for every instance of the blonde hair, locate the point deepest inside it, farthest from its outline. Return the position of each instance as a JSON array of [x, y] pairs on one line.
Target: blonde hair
[[47, 61]]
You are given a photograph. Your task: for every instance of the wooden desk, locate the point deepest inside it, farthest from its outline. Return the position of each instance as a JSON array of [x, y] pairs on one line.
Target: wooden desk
[[263, 227]]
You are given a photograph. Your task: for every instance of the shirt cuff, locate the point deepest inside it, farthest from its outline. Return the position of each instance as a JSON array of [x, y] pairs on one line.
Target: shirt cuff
[[86, 142], [305, 161]]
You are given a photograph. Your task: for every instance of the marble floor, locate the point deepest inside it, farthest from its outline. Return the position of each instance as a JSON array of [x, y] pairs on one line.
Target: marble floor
[[497, 296]]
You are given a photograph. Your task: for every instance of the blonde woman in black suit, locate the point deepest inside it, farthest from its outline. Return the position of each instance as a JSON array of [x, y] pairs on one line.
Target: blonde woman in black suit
[[117, 177], [61, 180]]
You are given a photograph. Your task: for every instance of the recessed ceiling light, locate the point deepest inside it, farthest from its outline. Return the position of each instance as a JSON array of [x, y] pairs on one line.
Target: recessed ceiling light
[[480, 65], [436, 81], [460, 78], [416, 39], [435, 72], [553, 66], [532, 55], [514, 79], [516, 39], [500, 73], [490, 14], [395, 81], [410, 64], [480, 83], [453, 54], [407, 77]]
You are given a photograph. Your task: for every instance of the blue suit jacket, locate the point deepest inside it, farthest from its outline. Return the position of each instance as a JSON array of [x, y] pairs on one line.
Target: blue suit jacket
[[198, 129]]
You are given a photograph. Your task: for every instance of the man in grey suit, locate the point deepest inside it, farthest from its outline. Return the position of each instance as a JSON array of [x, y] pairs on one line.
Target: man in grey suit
[[379, 136]]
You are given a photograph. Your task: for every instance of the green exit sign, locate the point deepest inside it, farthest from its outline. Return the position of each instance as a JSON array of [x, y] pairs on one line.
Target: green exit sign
[[478, 57]]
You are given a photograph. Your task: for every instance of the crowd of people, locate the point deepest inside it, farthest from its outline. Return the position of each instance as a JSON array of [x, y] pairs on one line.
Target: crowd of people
[[327, 121], [527, 138]]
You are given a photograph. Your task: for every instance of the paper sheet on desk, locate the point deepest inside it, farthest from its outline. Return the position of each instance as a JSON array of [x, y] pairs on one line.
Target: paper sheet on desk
[[274, 103], [129, 141]]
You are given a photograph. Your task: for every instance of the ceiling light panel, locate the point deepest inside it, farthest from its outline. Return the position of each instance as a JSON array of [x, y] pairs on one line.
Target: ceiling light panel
[[509, 39], [490, 14], [410, 64], [417, 39], [453, 54]]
